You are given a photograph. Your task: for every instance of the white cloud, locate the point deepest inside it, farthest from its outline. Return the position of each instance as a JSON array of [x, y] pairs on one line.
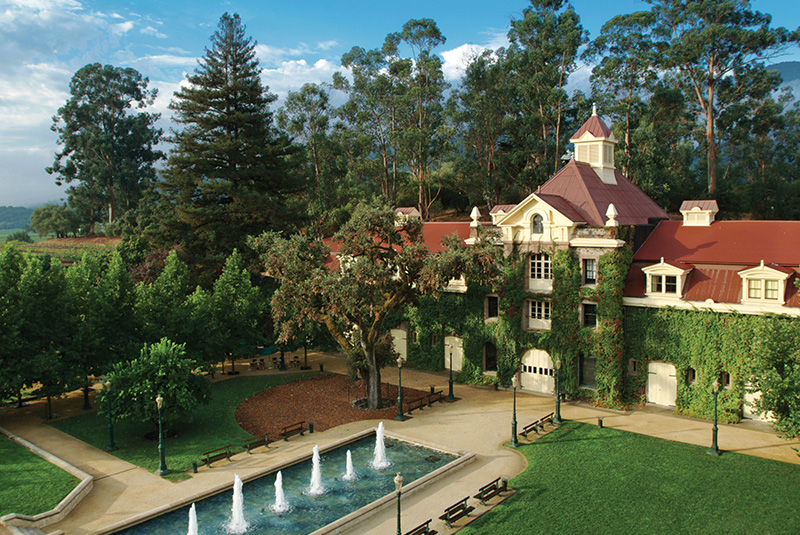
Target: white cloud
[[291, 75], [149, 30], [327, 45], [457, 60], [122, 27], [168, 60]]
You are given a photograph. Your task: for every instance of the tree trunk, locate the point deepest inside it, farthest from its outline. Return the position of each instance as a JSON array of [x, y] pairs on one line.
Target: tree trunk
[[372, 381]]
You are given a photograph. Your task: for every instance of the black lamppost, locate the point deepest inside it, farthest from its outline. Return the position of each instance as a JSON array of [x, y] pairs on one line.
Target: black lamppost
[[450, 396], [111, 446], [398, 485], [400, 390], [514, 441], [557, 418], [163, 468], [714, 448]]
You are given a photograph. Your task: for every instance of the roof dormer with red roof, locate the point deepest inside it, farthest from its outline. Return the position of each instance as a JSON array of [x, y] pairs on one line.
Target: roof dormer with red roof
[[594, 144]]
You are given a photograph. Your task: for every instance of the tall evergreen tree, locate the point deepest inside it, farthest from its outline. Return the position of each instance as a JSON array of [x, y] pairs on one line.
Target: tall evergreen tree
[[227, 175]]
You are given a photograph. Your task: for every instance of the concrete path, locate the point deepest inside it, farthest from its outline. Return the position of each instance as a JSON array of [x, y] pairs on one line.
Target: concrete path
[[480, 422]]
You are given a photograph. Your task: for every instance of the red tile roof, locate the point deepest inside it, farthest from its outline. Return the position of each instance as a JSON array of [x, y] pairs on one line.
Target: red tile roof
[[594, 126], [564, 207], [703, 205], [502, 208], [578, 184], [741, 243]]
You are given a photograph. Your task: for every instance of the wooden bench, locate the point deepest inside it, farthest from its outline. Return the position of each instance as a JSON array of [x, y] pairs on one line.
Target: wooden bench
[[435, 396], [423, 529], [255, 442], [215, 455], [416, 404], [489, 491], [458, 510], [538, 424], [294, 429]]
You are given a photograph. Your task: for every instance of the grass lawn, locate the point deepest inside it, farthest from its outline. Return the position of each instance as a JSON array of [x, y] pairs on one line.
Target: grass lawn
[[29, 485], [213, 426], [582, 479]]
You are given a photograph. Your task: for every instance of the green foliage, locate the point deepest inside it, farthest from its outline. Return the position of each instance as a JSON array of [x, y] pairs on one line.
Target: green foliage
[[14, 217], [109, 150], [21, 236], [582, 479], [226, 177], [55, 219], [30, 485], [162, 369]]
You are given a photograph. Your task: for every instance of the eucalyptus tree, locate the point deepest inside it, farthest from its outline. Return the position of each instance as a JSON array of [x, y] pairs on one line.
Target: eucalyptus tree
[[108, 148], [705, 42], [542, 54], [227, 175]]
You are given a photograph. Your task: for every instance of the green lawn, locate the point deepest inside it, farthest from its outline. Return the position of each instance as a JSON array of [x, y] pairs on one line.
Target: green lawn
[[582, 479], [212, 427], [29, 485]]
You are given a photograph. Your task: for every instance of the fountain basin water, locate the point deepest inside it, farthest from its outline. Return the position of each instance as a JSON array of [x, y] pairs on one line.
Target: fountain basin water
[[370, 491]]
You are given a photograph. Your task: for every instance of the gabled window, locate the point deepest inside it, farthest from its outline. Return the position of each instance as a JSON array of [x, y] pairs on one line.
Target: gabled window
[[764, 284], [537, 226], [666, 279], [589, 271], [540, 266]]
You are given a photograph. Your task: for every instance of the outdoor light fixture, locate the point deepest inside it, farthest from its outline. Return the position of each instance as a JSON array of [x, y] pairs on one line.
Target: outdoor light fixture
[[514, 441], [111, 446], [557, 418], [400, 415], [162, 470], [714, 447], [398, 485], [450, 396]]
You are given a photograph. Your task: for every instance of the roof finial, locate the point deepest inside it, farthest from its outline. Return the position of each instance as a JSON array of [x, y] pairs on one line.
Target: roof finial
[[594, 109]]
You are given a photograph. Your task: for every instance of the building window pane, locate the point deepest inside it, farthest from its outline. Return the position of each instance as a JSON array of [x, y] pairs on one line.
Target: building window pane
[[540, 266], [589, 271], [771, 289], [491, 306], [671, 284], [538, 227], [754, 288], [590, 316], [656, 283], [587, 371], [540, 310]]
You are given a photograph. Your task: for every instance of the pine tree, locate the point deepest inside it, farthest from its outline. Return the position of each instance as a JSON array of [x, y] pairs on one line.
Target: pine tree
[[227, 176]]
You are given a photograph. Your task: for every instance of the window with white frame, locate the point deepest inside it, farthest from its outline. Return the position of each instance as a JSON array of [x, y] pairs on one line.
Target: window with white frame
[[541, 267], [589, 271], [764, 284], [763, 289], [664, 284], [666, 279], [540, 310], [537, 225]]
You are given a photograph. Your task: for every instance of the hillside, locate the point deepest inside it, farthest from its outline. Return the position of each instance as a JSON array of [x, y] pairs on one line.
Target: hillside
[[14, 217]]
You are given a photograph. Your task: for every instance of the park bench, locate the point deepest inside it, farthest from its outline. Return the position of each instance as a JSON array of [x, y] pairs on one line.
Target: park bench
[[215, 455], [423, 529], [538, 424], [458, 510], [489, 491], [416, 404], [435, 396], [294, 429], [255, 442]]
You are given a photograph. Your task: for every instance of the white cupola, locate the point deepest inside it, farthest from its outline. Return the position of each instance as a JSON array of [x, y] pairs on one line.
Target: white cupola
[[594, 144]]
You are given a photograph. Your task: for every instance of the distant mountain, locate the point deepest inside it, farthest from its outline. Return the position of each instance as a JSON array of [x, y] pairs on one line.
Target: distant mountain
[[12, 217], [790, 72]]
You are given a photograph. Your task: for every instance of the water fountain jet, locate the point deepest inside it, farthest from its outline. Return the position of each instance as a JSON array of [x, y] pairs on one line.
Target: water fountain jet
[[280, 505], [379, 460], [237, 524], [192, 521], [350, 473], [315, 487]]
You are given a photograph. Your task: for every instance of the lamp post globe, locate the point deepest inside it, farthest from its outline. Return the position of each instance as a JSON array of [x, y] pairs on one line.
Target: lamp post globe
[[714, 447], [162, 470], [398, 486], [111, 445], [514, 441], [557, 417]]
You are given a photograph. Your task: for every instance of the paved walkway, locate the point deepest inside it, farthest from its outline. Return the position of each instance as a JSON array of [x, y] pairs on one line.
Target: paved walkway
[[480, 421]]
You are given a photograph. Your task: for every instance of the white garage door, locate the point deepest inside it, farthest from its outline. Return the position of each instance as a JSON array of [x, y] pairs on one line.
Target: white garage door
[[455, 345], [538, 372], [662, 385]]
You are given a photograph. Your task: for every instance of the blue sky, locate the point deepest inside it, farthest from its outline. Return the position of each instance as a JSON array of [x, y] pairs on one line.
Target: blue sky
[[43, 42]]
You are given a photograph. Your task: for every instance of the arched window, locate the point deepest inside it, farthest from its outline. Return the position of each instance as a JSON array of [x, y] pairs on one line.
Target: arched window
[[538, 227]]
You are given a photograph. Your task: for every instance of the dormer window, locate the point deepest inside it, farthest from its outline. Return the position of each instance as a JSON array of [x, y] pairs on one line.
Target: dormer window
[[666, 279], [764, 284], [537, 226]]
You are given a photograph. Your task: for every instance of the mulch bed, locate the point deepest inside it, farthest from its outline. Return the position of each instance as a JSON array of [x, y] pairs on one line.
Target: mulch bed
[[325, 400]]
